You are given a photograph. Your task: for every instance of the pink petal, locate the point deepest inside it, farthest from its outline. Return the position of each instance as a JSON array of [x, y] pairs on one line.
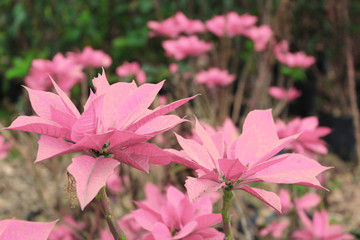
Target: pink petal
[[146, 219], [92, 141], [161, 231], [307, 201], [66, 100], [320, 223], [159, 124], [122, 139], [50, 147], [206, 234], [139, 162], [207, 142], [197, 188], [293, 169], [90, 175], [267, 197], [40, 126], [232, 169], [261, 123], [159, 111], [186, 230], [174, 196], [208, 220], [100, 83], [62, 118], [24, 230]]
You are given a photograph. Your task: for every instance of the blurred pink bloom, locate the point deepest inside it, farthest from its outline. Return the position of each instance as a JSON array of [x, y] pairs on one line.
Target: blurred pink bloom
[[65, 71], [173, 68], [283, 94], [214, 77], [185, 46], [4, 148], [231, 24], [116, 120], [91, 58], [309, 142], [173, 26], [114, 183], [260, 36], [250, 158], [66, 231], [305, 202], [319, 229], [275, 229], [131, 69], [298, 59], [171, 216], [12, 229]]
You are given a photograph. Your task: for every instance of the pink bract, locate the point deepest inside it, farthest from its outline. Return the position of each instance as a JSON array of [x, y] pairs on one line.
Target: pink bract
[[275, 229], [11, 229], [214, 77], [249, 158], [185, 46], [299, 59], [4, 148], [65, 71], [319, 229], [116, 120], [66, 230], [231, 24], [283, 94], [131, 69], [309, 142], [173, 26], [91, 58], [171, 216], [305, 202], [260, 36]]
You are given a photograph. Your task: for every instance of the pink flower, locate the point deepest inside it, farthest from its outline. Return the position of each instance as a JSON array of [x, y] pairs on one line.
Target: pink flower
[[114, 183], [4, 148], [299, 59], [275, 229], [319, 229], [214, 77], [283, 94], [249, 158], [185, 46], [309, 142], [305, 202], [173, 26], [131, 69], [11, 229], [91, 58], [65, 71], [116, 120], [231, 24], [67, 230], [260, 36], [171, 216], [173, 68]]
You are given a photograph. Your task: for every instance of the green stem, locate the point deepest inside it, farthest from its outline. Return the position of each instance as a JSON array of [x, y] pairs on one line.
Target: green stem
[[225, 213], [105, 206]]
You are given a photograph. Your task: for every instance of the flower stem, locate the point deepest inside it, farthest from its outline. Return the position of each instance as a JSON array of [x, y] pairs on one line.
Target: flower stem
[[225, 213], [109, 216]]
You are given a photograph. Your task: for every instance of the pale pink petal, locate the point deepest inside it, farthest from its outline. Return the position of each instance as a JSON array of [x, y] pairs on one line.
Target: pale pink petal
[[206, 234], [197, 188], [307, 201], [39, 125], [90, 175], [267, 197], [262, 123], [208, 220], [139, 162], [66, 100], [23, 230], [232, 169], [159, 124], [161, 231], [50, 147], [186, 230], [122, 139], [146, 219], [278, 93], [174, 196], [320, 223]]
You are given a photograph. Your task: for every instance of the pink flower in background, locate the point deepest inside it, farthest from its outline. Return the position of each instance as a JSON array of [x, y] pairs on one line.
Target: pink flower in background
[[250, 158], [309, 142], [231, 24], [283, 94], [260, 36], [185, 46], [65, 71], [275, 229], [4, 148], [116, 120], [173, 68], [306, 202], [91, 58], [173, 26], [12, 229], [114, 183], [319, 229], [67, 230], [131, 69], [172, 216], [299, 59], [214, 77]]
